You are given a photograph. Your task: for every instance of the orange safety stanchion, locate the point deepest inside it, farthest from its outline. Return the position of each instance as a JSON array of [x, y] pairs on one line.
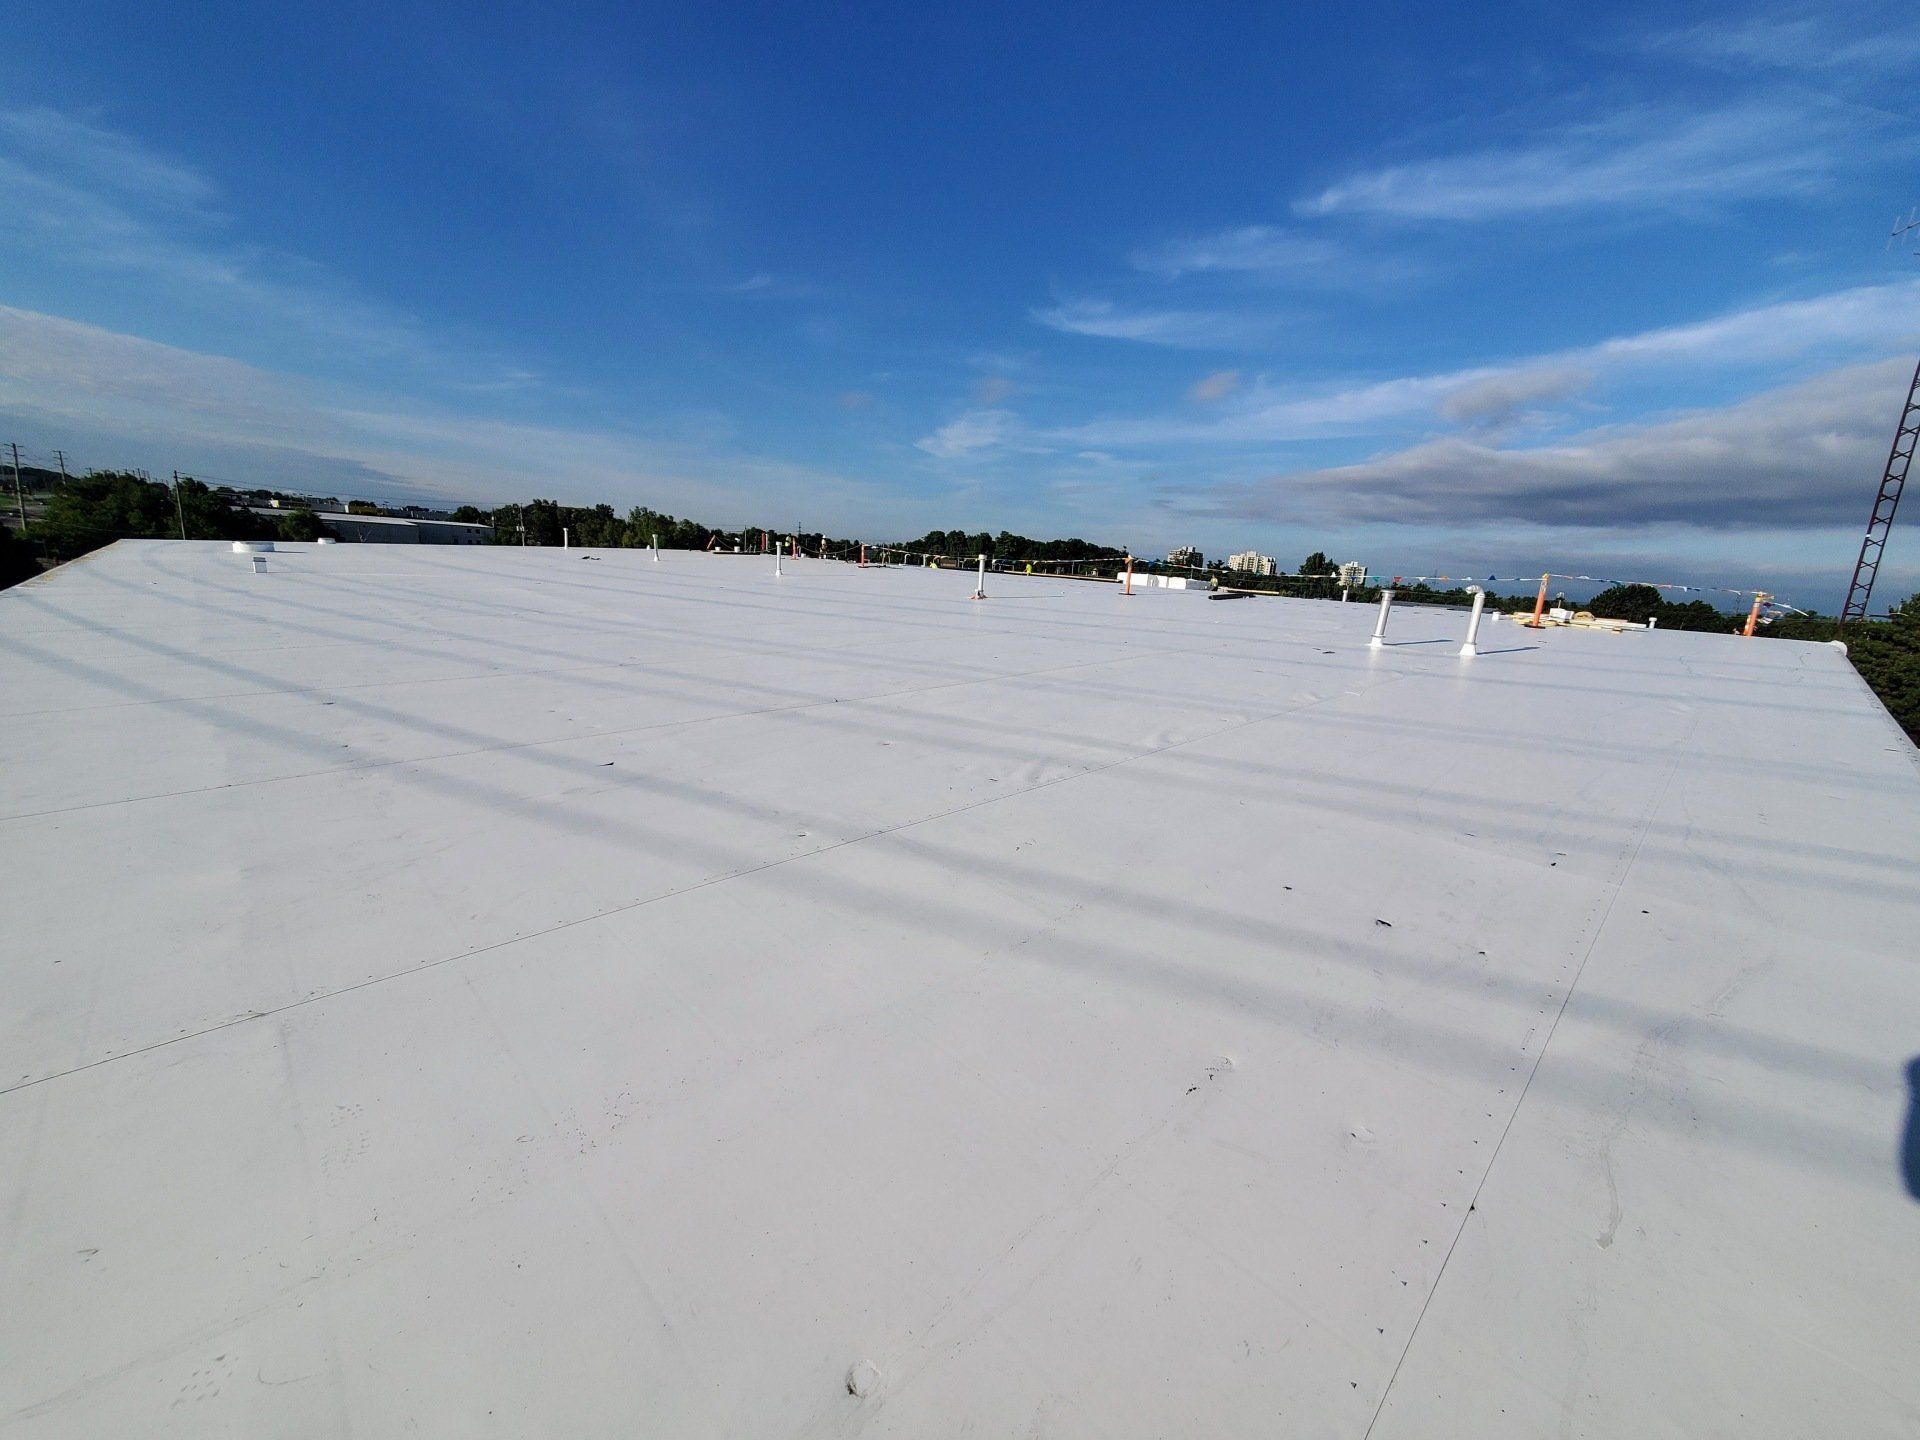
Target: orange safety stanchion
[[1540, 605]]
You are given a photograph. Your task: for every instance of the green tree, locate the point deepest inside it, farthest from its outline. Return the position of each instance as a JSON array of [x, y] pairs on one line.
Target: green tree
[[1696, 615], [105, 506], [1637, 603], [1640, 603], [542, 519], [1314, 583], [598, 528], [301, 524], [1887, 655]]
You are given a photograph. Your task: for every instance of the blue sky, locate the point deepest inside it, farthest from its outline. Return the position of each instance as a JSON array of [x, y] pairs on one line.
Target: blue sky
[[1461, 289]]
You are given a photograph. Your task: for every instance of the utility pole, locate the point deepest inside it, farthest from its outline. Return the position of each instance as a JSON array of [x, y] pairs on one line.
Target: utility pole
[[18, 498], [61, 456], [179, 505]]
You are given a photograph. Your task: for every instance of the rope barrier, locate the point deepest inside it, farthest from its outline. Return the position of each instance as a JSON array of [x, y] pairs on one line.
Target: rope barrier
[[877, 555]]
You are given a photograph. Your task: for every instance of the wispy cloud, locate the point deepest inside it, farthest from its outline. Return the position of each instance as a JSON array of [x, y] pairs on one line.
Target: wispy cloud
[[972, 435], [75, 192], [98, 160], [1867, 315], [992, 390], [1800, 455], [1217, 386], [1834, 327], [1787, 41], [772, 287], [1644, 158], [1182, 329], [1278, 256], [163, 405], [1497, 401], [1245, 250]]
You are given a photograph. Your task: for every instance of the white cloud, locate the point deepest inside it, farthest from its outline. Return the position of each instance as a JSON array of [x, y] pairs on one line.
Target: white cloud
[[1217, 386], [1802, 455], [1840, 325], [159, 405], [1248, 249], [1182, 329], [1804, 42], [1649, 157], [65, 368], [969, 435], [102, 161], [73, 192], [992, 390], [1868, 315], [1277, 256], [1498, 400]]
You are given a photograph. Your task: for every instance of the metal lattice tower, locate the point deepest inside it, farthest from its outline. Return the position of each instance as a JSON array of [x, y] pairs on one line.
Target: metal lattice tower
[[1884, 504]]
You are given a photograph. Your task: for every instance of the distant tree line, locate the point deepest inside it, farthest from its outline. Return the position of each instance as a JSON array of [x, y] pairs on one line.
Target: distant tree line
[[1317, 578], [1641, 603], [83, 513], [1007, 547], [88, 511], [547, 522]]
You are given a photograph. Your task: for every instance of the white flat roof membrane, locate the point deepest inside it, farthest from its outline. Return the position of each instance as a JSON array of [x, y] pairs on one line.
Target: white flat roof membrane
[[509, 992]]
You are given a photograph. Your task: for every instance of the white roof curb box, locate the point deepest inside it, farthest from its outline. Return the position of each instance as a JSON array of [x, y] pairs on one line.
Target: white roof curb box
[[479, 992]]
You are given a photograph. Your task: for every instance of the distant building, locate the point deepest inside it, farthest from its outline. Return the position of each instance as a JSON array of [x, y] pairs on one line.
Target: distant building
[[279, 500], [1187, 555], [1253, 562], [1145, 580], [393, 530]]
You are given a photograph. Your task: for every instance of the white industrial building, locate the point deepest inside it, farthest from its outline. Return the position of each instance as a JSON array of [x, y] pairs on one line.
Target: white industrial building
[[399, 530], [1143, 580], [518, 992], [390, 529]]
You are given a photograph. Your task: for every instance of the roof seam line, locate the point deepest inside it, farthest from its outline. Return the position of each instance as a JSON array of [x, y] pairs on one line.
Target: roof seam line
[[1473, 1202], [697, 885], [431, 759]]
